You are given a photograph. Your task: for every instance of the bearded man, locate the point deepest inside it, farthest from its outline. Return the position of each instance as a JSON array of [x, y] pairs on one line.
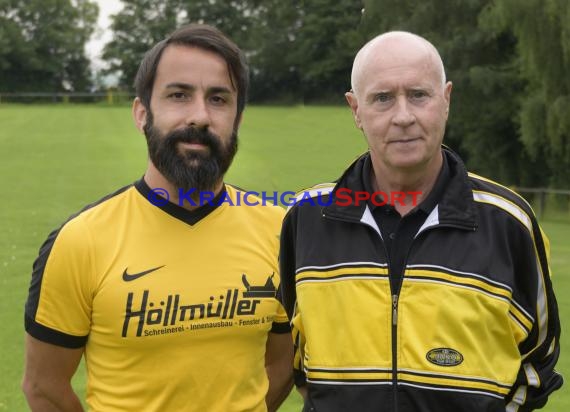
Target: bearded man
[[155, 294]]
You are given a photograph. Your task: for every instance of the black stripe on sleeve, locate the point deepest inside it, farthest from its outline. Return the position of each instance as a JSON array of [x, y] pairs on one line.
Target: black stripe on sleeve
[[37, 276], [280, 327], [55, 337]]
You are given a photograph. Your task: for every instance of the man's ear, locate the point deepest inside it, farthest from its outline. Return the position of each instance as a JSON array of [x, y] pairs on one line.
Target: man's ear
[[139, 114], [353, 103], [447, 97]]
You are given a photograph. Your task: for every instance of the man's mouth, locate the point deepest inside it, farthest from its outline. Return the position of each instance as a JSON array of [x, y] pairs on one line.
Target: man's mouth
[[192, 146], [405, 140]]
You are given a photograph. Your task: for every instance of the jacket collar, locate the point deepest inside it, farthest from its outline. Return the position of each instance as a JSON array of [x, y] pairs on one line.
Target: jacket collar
[[456, 206]]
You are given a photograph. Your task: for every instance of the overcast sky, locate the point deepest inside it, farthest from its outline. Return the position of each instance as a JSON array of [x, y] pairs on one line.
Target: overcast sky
[[102, 34]]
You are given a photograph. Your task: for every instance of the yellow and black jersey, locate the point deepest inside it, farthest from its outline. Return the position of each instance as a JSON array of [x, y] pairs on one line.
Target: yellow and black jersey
[[173, 307], [473, 327]]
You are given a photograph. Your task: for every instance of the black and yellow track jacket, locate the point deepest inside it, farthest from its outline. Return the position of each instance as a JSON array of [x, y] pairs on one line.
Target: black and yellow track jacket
[[474, 326]]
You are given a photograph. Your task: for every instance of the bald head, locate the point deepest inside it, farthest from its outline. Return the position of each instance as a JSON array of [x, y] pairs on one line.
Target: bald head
[[396, 46]]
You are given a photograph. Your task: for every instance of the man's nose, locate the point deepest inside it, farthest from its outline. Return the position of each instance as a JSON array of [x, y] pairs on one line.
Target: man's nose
[[198, 115], [403, 115]]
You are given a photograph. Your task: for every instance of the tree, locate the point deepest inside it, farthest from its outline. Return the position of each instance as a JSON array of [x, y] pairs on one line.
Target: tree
[[275, 73], [298, 50], [42, 46], [136, 28], [542, 29], [327, 41], [305, 50]]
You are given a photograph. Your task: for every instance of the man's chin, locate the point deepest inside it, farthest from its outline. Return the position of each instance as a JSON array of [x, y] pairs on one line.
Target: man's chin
[[196, 178], [194, 164]]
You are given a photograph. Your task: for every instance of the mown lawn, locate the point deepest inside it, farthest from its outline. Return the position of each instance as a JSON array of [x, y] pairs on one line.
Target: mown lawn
[[56, 159]]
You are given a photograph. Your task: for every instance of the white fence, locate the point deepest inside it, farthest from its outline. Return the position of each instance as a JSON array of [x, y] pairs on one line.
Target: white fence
[[109, 97]]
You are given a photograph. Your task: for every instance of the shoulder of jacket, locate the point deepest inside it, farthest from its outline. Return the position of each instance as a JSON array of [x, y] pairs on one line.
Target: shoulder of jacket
[[492, 193], [307, 195]]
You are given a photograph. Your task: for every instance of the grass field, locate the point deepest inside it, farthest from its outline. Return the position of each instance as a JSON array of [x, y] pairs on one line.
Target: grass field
[[56, 159]]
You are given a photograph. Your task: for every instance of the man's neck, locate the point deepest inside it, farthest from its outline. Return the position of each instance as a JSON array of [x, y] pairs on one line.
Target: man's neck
[[411, 185], [154, 179]]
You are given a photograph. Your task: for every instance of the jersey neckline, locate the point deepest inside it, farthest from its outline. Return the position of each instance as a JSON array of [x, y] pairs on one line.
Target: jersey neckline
[[178, 212]]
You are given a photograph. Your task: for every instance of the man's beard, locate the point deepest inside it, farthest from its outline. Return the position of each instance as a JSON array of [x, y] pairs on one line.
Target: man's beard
[[186, 170]]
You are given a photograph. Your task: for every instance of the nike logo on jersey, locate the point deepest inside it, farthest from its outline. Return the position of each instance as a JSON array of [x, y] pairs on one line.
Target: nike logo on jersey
[[127, 277]]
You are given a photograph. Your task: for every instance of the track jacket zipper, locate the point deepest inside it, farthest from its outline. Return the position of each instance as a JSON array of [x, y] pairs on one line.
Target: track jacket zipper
[[395, 294]]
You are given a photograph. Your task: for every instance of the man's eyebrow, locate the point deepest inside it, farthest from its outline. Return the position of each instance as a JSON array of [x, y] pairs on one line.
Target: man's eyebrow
[[190, 87], [179, 85], [219, 89], [373, 93]]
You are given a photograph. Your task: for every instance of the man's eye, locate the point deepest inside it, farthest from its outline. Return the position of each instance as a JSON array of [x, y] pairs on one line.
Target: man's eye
[[178, 95], [418, 94], [218, 100], [383, 97]]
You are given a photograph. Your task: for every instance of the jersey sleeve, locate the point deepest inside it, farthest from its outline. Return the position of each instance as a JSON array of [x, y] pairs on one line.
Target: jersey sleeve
[[288, 296], [58, 308], [537, 378], [280, 321]]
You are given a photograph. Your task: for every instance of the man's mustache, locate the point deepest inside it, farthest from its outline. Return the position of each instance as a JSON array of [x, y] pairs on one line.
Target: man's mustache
[[195, 136]]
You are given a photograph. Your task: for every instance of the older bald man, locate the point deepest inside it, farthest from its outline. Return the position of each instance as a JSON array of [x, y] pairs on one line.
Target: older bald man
[[438, 299]]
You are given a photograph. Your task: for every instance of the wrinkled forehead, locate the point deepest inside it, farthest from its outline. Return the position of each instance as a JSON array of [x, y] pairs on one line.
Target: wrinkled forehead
[[394, 54]]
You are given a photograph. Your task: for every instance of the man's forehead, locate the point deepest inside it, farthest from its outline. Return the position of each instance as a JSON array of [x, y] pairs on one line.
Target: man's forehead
[[181, 64], [397, 61], [406, 73], [395, 44]]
